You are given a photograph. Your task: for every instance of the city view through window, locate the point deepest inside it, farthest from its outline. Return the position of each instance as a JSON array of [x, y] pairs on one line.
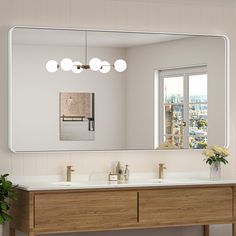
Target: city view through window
[[185, 111]]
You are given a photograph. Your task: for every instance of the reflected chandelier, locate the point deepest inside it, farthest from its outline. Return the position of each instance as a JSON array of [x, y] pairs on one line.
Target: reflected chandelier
[[94, 64]]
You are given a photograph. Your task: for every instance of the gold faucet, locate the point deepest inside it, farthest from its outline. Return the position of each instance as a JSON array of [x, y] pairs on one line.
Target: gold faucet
[[69, 170], [161, 170]]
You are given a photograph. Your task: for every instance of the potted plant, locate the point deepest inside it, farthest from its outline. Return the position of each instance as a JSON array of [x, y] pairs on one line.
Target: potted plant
[[215, 156], [6, 193]]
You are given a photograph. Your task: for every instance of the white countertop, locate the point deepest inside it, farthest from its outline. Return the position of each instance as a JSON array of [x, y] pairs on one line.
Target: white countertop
[[138, 180]]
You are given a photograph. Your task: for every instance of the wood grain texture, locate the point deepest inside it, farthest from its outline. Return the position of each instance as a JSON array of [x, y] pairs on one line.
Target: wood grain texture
[[12, 232], [206, 230], [22, 211], [186, 206], [56, 211], [85, 211], [233, 229], [31, 233], [234, 202], [234, 212]]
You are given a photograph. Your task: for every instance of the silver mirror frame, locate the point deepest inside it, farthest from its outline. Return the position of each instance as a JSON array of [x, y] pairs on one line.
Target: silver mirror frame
[[10, 82]]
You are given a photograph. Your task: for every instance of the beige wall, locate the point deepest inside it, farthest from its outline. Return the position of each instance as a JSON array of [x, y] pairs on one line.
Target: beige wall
[[193, 16]]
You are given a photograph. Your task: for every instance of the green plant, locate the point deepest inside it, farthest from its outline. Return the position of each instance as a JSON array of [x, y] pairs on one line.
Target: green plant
[[6, 193], [216, 154]]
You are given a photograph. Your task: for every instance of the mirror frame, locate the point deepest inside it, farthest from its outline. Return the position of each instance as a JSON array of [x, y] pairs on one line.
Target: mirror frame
[[10, 82]]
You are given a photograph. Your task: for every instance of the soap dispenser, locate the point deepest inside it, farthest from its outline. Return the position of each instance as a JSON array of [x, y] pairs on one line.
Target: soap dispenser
[[118, 167], [126, 173]]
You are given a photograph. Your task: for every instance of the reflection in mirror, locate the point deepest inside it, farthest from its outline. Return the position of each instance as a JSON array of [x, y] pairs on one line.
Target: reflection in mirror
[[152, 90], [77, 116], [184, 107]]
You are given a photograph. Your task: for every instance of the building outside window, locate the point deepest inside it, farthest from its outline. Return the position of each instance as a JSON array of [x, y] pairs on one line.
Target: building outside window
[[183, 107]]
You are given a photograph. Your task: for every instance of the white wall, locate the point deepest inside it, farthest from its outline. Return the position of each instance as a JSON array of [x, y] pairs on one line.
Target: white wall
[[171, 54], [193, 16]]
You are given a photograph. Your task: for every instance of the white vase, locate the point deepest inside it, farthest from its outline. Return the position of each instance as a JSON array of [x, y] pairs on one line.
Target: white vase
[[1, 229], [215, 171]]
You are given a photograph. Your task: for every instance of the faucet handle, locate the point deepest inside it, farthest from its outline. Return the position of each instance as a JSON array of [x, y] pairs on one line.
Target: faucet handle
[[162, 165], [70, 168]]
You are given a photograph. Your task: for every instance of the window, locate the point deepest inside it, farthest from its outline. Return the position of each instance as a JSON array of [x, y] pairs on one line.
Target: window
[[183, 108]]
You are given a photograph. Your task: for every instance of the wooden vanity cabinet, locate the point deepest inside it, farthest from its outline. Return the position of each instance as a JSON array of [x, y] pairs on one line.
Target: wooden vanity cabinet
[[185, 206], [73, 211], [39, 212], [84, 211]]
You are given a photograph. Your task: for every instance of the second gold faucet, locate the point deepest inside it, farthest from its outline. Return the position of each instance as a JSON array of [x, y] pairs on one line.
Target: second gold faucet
[[69, 170], [161, 170]]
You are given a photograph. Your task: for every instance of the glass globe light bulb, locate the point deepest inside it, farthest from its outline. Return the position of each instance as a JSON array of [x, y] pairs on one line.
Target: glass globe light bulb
[[95, 64], [52, 66], [120, 65], [75, 68], [66, 64], [105, 68]]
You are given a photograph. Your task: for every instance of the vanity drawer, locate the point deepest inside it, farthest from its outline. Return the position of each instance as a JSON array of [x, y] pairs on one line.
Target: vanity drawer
[[183, 206], [85, 211]]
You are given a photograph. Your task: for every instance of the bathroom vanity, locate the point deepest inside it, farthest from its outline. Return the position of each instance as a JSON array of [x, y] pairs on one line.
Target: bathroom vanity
[[41, 210]]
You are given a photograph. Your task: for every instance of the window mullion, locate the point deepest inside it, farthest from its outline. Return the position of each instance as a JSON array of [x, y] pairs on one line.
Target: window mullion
[[186, 110]]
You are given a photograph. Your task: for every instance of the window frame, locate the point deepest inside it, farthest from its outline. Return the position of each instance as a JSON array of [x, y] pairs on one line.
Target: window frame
[[184, 72]]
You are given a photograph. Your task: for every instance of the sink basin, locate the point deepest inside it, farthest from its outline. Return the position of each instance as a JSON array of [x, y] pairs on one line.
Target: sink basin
[[156, 180], [174, 181], [66, 184]]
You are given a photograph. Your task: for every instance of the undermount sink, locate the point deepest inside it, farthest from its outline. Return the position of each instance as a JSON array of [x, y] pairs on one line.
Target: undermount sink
[[66, 184], [175, 181], [156, 180], [133, 182]]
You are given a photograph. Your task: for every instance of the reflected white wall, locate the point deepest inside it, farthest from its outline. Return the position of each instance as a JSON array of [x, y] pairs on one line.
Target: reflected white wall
[[173, 54], [36, 98]]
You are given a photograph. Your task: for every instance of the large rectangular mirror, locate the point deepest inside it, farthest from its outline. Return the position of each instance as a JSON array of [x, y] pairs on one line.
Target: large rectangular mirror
[[142, 91]]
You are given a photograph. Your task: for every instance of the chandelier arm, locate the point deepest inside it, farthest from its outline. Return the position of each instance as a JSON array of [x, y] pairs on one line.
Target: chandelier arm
[[86, 49]]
